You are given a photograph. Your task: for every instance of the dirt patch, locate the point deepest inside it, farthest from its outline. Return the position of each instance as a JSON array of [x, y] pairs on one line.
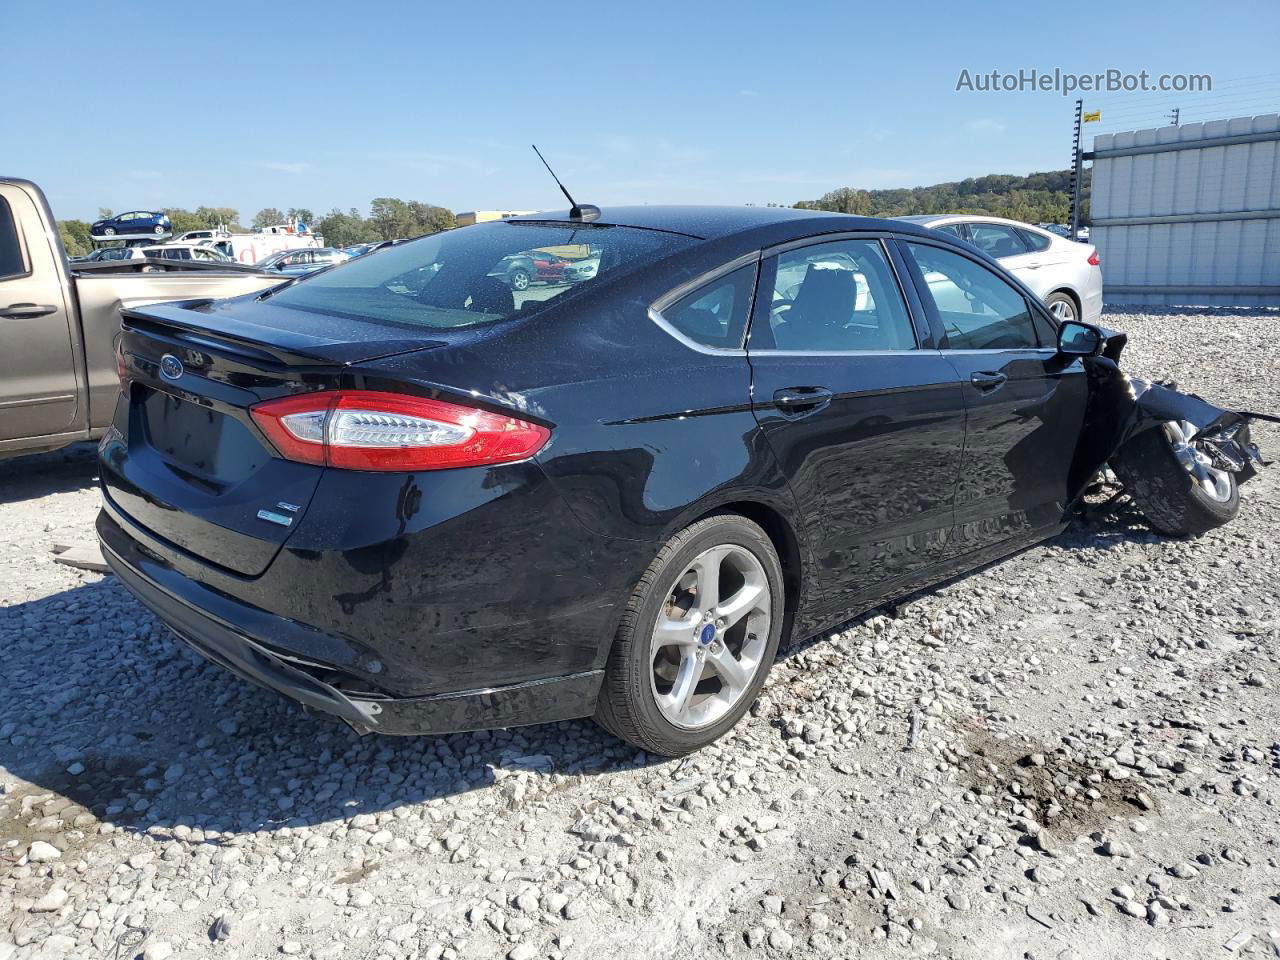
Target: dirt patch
[[1046, 785]]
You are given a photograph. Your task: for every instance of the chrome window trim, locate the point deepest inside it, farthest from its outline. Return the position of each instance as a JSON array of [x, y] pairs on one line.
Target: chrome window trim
[[1051, 351], [917, 351], [676, 293], [688, 287], [835, 237], [692, 344]]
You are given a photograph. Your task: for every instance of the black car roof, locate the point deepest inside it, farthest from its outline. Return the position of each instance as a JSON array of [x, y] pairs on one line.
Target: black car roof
[[714, 222]]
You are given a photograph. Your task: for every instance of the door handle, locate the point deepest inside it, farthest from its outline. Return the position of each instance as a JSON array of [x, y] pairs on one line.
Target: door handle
[[1035, 265], [801, 399], [987, 381], [18, 311]]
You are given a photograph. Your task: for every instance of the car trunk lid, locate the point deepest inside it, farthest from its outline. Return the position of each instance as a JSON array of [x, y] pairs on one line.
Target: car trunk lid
[[184, 459]]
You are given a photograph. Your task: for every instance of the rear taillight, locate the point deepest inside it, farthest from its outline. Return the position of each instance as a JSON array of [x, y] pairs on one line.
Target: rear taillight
[[1094, 260], [373, 430]]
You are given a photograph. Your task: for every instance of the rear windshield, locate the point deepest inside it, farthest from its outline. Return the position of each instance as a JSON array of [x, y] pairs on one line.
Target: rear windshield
[[477, 274]]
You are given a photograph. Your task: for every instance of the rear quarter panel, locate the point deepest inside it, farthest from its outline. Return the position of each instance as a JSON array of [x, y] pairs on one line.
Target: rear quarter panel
[[648, 434]]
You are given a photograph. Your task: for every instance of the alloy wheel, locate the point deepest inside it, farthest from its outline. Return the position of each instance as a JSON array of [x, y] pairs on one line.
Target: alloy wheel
[[710, 637], [1063, 310], [1215, 482]]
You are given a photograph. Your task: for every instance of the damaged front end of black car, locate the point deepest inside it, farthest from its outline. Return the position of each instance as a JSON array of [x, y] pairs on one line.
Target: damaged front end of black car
[[1179, 458]]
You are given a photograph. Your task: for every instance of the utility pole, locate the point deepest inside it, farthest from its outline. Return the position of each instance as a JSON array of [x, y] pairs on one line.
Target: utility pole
[[1077, 170], [1174, 115]]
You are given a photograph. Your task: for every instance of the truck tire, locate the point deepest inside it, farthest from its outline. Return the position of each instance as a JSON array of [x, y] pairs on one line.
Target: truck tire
[[1173, 483], [697, 639]]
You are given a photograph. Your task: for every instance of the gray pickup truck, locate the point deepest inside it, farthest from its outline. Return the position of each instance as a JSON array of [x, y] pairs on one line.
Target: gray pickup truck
[[59, 322]]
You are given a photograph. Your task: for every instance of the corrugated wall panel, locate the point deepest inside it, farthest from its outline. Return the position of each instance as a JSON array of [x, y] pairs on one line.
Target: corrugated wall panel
[[1201, 184]]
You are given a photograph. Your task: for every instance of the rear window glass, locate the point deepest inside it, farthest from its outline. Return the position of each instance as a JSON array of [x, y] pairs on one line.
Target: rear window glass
[[715, 314], [1035, 241], [11, 264], [477, 274]]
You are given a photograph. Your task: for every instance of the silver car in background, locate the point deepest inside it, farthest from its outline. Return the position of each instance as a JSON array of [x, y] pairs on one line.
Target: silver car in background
[[1066, 275], [301, 261]]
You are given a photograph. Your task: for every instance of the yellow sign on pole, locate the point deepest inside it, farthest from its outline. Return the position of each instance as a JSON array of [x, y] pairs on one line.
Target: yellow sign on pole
[[1090, 117]]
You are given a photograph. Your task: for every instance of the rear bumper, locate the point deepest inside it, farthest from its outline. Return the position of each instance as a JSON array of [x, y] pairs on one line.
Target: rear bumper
[[228, 631], [1091, 303]]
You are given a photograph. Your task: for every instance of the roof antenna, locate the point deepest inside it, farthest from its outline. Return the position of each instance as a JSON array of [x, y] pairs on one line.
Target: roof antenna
[[584, 213]]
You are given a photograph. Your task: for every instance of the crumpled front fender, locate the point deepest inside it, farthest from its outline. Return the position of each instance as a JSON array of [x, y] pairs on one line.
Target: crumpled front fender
[[1120, 407]]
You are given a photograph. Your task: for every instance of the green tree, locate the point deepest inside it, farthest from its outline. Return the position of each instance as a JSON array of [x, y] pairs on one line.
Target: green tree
[[104, 213], [268, 217], [343, 229], [1035, 198], [183, 220], [394, 218], [301, 213], [428, 218], [75, 237], [218, 216], [390, 217]]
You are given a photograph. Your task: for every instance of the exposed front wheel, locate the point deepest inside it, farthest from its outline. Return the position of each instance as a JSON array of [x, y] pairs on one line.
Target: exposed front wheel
[[108, 231], [519, 280], [159, 229], [697, 638], [1174, 482]]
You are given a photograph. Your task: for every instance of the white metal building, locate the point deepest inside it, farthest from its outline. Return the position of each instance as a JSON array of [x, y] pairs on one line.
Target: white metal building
[[1189, 214]]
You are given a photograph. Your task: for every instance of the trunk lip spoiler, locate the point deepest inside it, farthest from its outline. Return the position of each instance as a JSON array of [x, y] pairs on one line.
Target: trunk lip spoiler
[[179, 319]]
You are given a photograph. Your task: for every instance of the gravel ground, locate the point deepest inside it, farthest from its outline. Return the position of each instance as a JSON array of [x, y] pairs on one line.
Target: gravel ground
[[1075, 753]]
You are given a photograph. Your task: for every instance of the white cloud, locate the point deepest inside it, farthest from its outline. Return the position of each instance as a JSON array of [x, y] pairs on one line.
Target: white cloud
[[282, 167], [985, 125]]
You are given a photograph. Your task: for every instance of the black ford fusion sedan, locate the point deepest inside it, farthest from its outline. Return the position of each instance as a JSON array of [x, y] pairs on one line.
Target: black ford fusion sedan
[[405, 494]]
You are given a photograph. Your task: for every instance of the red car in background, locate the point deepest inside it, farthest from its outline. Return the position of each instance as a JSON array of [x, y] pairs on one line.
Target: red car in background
[[532, 266]]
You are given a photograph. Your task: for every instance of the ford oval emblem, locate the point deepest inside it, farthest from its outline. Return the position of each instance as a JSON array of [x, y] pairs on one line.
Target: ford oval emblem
[[170, 367]]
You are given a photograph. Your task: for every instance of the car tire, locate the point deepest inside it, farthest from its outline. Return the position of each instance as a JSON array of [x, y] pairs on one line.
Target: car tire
[[645, 676], [108, 231], [159, 230], [1062, 306], [1168, 493], [519, 279]]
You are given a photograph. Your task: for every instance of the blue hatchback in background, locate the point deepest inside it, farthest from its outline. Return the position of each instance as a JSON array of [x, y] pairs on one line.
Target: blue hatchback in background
[[151, 222]]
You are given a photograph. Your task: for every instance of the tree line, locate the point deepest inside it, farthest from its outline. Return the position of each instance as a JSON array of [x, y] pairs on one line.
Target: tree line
[[1035, 198], [390, 218]]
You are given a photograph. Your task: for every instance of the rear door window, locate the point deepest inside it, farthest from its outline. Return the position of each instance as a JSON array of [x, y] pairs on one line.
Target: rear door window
[[836, 296], [1036, 242], [978, 309], [715, 315], [996, 240], [12, 263]]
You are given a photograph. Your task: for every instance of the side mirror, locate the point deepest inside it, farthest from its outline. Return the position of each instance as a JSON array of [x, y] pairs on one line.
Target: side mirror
[[1077, 339]]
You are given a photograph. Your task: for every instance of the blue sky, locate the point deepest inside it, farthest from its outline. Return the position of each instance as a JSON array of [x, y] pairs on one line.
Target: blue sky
[[324, 104]]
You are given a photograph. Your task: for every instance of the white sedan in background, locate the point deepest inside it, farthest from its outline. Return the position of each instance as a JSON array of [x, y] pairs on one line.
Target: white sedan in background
[[1066, 275]]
